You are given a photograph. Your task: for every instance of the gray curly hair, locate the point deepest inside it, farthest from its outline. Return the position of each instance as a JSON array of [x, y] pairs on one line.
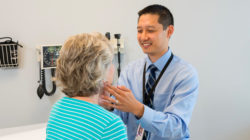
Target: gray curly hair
[[83, 63]]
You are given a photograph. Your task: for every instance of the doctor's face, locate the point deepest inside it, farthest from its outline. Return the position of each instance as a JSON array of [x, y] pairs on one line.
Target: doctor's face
[[151, 36]]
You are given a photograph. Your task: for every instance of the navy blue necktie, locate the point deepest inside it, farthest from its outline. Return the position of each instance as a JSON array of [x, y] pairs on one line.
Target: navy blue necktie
[[149, 98]]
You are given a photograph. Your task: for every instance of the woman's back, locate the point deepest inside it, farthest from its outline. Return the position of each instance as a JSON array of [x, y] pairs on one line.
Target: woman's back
[[76, 119]]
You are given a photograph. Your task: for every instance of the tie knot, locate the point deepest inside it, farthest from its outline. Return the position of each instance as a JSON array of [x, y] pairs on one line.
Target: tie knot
[[152, 68]]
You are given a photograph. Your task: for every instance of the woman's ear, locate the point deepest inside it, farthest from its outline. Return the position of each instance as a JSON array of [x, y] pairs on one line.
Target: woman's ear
[[110, 74]]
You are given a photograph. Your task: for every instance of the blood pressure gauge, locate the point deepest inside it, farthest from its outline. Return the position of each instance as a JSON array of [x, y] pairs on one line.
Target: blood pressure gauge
[[50, 53]]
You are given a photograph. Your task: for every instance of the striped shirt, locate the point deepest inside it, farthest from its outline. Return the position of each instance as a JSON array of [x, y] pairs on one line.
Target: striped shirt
[[76, 119]]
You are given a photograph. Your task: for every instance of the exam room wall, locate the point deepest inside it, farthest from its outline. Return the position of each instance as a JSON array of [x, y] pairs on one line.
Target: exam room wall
[[214, 36]]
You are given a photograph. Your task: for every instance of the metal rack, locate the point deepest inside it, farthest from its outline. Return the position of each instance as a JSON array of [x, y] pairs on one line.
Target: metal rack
[[9, 53]]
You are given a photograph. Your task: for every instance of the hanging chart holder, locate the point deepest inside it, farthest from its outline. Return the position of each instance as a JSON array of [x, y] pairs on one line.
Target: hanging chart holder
[[8, 53]]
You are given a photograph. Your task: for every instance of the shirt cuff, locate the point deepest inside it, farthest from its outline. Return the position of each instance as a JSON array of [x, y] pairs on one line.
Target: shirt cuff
[[147, 118]]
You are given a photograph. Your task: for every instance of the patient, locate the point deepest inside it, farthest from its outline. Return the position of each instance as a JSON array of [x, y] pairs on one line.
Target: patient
[[85, 62]]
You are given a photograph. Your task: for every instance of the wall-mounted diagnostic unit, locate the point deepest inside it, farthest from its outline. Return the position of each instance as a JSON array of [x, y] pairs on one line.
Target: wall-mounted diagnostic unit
[[49, 53], [118, 44], [47, 56]]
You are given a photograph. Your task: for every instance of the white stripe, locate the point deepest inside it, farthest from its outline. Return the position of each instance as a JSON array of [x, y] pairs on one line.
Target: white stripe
[[61, 132], [66, 132], [87, 108], [114, 128], [150, 85], [56, 133], [78, 120], [83, 103], [79, 113], [113, 133], [53, 136], [119, 136], [84, 110], [151, 101], [74, 127], [151, 67], [147, 92], [91, 107], [57, 122], [112, 124], [150, 74]]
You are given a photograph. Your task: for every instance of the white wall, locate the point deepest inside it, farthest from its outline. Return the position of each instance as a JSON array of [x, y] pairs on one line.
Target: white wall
[[212, 35]]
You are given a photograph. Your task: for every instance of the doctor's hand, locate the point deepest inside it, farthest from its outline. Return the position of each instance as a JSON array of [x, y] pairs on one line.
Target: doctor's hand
[[124, 100]]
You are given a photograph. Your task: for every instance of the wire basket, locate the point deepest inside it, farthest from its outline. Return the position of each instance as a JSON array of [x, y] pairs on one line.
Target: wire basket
[[9, 54]]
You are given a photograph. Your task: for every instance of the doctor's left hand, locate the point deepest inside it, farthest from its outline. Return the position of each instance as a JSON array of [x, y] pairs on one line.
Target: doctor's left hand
[[124, 100]]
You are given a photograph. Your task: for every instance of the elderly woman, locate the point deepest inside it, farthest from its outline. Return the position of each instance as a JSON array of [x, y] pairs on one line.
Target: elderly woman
[[85, 62]]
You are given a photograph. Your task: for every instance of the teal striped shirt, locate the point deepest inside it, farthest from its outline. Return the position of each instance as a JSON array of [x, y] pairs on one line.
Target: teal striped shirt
[[76, 119]]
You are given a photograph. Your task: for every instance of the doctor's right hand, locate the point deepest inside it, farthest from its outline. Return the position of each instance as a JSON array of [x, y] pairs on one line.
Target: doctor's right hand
[[124, 100]]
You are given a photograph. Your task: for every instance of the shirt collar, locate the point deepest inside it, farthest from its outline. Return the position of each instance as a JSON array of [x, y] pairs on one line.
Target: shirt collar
[[160, 63]]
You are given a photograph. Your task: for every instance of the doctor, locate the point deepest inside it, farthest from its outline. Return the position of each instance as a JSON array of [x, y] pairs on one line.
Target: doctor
[[156, 93]]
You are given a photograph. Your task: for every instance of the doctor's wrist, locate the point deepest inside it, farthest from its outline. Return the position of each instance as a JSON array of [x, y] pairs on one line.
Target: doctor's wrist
[[139, 111]]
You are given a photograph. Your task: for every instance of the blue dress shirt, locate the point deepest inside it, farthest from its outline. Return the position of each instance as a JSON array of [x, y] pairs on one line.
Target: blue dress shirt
[[174, 98]]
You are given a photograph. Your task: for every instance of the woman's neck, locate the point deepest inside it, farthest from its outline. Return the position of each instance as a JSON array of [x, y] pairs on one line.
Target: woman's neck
[[91, 99]]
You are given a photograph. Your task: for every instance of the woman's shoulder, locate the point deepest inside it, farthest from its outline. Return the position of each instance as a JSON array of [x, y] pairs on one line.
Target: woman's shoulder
[[115, 129], [110, 115]]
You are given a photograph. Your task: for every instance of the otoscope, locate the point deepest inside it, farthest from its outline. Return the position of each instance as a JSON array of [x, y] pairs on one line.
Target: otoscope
[[118, 36]]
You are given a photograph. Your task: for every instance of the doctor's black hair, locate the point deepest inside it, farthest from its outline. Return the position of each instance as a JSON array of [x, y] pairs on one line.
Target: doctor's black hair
[[165, 16]]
